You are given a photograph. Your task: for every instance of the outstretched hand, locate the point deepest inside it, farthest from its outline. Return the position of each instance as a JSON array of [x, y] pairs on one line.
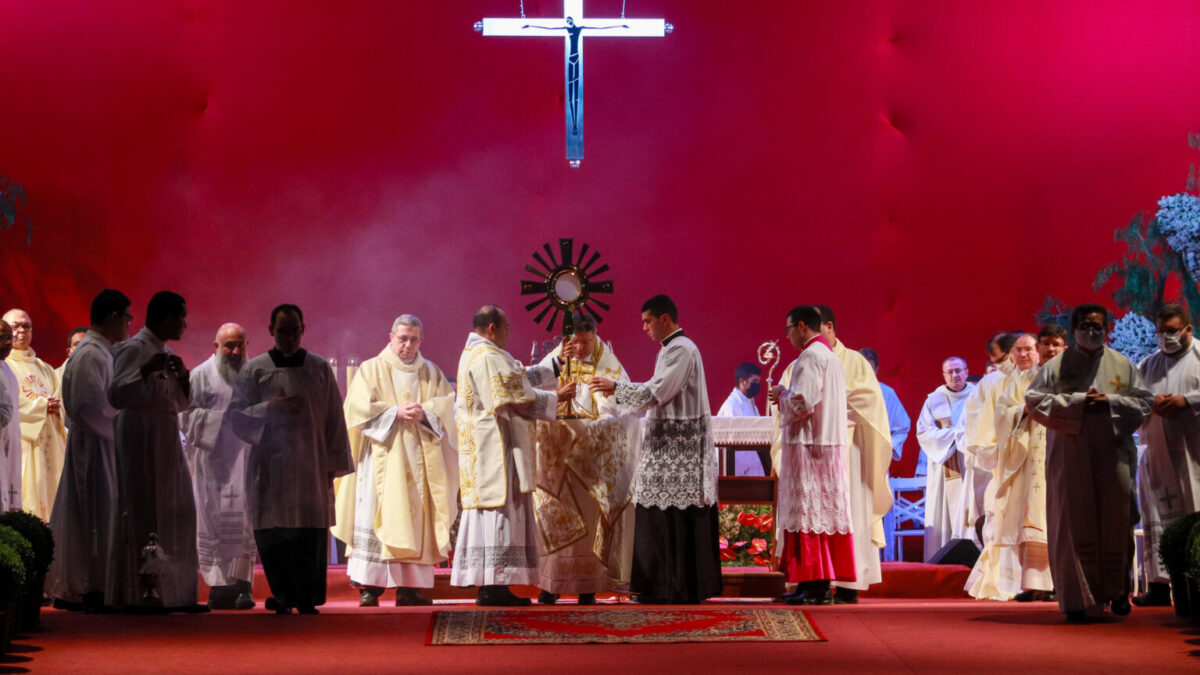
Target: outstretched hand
[[603, 385]]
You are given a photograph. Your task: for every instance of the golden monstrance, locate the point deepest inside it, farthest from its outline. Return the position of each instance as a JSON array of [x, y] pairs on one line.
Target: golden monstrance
[[566, 285]]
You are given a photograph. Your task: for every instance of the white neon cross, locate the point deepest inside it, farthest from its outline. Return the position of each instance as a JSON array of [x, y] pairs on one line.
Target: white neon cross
[[572, 25]]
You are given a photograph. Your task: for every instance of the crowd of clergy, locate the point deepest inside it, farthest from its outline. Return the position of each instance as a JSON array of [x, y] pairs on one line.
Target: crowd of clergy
[[567, 475]]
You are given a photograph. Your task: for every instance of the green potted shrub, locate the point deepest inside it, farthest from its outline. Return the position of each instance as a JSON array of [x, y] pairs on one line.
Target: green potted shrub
[[38, 533], [1172, 551], [1193, 573], [12, 582]]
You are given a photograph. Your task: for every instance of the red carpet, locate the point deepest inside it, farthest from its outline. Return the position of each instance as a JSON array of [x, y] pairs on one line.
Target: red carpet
[[877, 636], [641, 625]]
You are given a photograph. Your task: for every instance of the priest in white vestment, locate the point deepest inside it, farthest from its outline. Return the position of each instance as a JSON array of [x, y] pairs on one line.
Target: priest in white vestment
[[498, 399], [816, 541], [940, 433], [583, 501], [1091, 400], [676, 555], [740, 403], [152, 559], [868, 459], [395, 511], [287, 406], [10, 427], [43, 434], [217, 459], [1015, 558], [85, 507], [1168, 476], [979, 445]]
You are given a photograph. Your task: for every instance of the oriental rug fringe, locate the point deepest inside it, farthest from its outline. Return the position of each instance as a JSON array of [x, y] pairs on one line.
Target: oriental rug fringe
[[634, 625]]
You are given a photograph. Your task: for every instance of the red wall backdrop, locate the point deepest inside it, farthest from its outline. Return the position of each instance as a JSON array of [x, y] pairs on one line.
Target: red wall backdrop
[[929, 169]]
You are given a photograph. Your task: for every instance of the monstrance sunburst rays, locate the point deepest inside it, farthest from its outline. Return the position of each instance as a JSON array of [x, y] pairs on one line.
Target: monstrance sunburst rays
[[566, 284]]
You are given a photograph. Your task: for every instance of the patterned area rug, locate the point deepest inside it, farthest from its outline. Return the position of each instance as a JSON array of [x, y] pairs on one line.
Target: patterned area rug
[[584, 626]]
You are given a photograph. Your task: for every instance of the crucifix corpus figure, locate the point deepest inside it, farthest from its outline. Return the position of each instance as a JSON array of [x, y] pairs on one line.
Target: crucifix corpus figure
[[573, 24]]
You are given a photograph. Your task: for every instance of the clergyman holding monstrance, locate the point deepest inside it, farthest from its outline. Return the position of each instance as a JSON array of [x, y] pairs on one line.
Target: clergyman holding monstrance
[[585, 467]]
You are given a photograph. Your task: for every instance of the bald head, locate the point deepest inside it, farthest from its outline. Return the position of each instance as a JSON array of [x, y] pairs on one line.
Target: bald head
[[492, 323], [230, 344], [22, 328]]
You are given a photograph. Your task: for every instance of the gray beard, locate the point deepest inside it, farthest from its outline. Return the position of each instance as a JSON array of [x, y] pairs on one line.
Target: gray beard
[[228, 369]]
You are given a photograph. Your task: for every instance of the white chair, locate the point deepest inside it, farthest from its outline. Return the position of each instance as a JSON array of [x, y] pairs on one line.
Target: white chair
[[907, 517]]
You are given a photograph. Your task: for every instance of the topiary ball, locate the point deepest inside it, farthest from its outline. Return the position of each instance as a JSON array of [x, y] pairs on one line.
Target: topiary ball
[[1193, 554], [1173, 545], [12, 574], [13, 539], [39, 535]]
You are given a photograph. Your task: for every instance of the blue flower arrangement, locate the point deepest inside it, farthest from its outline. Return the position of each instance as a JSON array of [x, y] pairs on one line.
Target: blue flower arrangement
[[1179, 220], [1134, 336]]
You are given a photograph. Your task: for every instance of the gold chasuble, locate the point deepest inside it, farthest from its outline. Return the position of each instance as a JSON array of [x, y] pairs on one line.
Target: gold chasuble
[[583, 476], [43, 436], [493, 388], [870, 433], [415, 477]]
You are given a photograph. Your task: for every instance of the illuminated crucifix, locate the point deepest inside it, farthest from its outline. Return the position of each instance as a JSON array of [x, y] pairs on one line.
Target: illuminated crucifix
[[572, 26]]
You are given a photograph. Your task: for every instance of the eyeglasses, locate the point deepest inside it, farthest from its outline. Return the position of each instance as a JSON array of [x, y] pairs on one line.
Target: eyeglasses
[[789, 327], [21, 326]]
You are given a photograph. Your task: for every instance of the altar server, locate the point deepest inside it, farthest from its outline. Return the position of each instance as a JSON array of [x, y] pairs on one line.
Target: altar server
[[816, 543], [979, 436], [217, 458], [1091, 399], [676, 558], [85, 506], [395, 512], [1168, 477], [43, 434], [940, 432], [497, 401], [287, 406], [153, 554]]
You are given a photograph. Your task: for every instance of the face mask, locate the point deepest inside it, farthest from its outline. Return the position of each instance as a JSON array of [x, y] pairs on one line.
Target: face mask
[[753, 390], [1089, 340], [1170, 344]]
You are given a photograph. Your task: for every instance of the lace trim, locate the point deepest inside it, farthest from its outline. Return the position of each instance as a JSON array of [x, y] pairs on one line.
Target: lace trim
[[494, 557], [540, 377], [632, 398], [814, 495], [678, 465]]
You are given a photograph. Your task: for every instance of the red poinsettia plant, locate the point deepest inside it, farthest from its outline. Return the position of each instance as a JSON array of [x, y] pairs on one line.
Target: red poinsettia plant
[[747, 533]]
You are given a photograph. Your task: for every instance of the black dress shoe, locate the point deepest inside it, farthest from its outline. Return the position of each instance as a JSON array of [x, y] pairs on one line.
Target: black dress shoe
[[1157, 595], [499, 596], [277, 605], [307, 609], [411, 597], [644, 599], [1120, 606], [1025, 596], [845, 596], [368, 599], [547, 598], [1077, 617], [587, 598], [244, 601]]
